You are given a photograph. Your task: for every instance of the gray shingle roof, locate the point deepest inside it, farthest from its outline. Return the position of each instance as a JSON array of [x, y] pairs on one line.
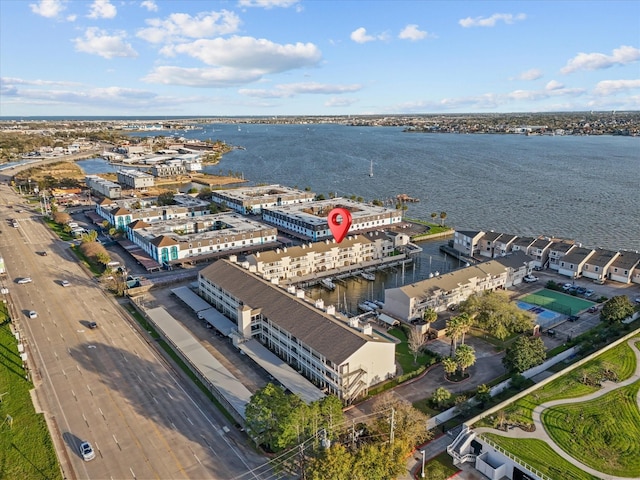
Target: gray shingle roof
[[326, 335]]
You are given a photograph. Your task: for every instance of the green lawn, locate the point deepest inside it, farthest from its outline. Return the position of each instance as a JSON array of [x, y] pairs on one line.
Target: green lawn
[[557, 301], [404, 356], [26, 449], [603, 433], [439, 468], [621, 360], [541, 456]]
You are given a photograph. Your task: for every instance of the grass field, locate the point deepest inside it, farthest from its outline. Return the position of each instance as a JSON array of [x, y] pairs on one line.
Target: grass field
[[603, 433], [540, 455], [26, 449], [404, 356], [439, 468], [557, 301], [621, 360]]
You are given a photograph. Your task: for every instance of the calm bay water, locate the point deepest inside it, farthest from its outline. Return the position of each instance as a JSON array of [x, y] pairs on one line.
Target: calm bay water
[[584, 188]]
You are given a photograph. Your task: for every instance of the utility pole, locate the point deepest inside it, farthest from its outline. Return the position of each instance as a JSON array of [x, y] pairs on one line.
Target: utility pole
[[393, 425]]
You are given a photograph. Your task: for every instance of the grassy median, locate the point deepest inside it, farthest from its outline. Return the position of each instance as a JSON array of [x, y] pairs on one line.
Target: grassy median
[[26, 449]]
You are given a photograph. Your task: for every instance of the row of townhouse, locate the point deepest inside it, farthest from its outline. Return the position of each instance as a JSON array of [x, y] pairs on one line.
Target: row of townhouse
[[566, 257], [319, 343], [410, 301]]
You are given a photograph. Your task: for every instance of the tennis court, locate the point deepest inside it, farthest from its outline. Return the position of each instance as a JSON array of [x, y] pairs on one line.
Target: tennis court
[[557, 301], [544, 318]]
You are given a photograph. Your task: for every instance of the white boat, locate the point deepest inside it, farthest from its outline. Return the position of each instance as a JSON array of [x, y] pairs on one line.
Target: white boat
[[328, 284], [365, 307], [371, 169], [368, 276]]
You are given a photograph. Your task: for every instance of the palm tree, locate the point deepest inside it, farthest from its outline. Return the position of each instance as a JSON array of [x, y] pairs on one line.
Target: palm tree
[[466, 322], [433, 216], [443, 215], [450, 366], [465, 357], [453, 331], [429, 316]]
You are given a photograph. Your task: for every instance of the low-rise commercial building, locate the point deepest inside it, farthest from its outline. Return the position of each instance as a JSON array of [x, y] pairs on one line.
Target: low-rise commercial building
[[188, 239]]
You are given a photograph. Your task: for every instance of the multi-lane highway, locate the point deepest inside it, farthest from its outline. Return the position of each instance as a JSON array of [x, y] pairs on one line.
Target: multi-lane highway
[[107, 385]]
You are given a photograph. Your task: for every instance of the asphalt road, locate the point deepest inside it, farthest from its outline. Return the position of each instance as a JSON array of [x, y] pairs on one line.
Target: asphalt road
[[107, 385]]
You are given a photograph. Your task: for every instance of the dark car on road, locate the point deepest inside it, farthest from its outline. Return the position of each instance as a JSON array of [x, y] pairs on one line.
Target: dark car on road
[[573, 318]]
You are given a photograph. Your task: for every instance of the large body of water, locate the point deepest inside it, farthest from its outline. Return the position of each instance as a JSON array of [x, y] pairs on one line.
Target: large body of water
[[583, 188]]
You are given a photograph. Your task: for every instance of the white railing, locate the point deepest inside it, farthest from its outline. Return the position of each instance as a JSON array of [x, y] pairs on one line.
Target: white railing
[[517, 460]]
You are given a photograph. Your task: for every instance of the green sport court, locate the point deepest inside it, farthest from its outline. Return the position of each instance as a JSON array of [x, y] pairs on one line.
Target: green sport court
[[557, 301]]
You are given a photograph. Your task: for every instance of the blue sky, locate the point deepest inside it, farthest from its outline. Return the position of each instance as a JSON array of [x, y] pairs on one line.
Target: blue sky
[[316, 57]]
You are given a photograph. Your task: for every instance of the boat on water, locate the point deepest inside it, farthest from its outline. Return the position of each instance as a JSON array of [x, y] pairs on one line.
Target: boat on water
[[371, 169], [368, 276], [365, 307], [328, 284]]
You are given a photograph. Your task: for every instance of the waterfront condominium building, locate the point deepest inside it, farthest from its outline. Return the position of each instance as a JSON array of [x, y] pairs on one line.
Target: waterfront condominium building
[[410, 301], [337, 356], [309, 220], [355, 251], [251, 200]]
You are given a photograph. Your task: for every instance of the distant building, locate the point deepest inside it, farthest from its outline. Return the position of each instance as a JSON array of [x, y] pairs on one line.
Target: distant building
[[251, 200], [168, 170], [625, 267], [135, 179], [104, 187]]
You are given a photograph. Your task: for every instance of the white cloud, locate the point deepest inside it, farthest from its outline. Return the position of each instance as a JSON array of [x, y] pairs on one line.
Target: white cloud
[[293, 89], [267, 3], [47, 8], [411, 32], [202, 77], [251, 54], [532, 74], [613, 87], [102, 9], [21, 81], [597, 61], [98, 42], [150, 5], [554, 85], [183, 25], [491, 21], [360, 36]]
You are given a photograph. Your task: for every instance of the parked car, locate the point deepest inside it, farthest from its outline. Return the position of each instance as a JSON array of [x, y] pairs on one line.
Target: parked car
[[93, 325], [65, 283], [24, 280], [530, 278], [581, 290], [593, 309], [573, 318], [551, 332], [567, 286], [33, 314], [86, 451], [42, 254], [637, 299], [589, 293]]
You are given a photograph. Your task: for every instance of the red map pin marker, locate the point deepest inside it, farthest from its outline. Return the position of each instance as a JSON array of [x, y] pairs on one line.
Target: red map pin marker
[[340, 228]]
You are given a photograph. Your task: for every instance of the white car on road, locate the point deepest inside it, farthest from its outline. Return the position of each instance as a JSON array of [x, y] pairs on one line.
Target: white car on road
[[530, 278]]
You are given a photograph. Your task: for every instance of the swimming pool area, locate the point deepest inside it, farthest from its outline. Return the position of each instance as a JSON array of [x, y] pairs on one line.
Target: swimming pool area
[[545, 318]]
